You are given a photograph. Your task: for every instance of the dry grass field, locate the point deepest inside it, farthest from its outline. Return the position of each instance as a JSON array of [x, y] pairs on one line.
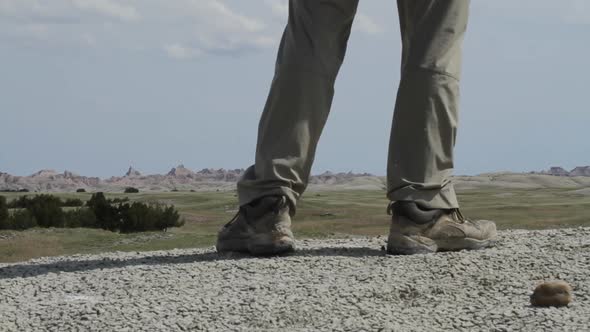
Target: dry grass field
[[323, 214]]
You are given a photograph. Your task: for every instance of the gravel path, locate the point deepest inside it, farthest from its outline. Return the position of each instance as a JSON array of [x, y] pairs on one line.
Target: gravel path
[[329, 285]]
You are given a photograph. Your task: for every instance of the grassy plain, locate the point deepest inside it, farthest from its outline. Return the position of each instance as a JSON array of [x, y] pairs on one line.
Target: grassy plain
[[325, 214]]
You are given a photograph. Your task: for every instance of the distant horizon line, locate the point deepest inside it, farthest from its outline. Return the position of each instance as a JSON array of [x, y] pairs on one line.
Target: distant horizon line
[[195, 170]]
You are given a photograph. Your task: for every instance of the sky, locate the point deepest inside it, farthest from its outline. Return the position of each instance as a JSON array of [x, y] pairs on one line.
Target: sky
[[94, 86]]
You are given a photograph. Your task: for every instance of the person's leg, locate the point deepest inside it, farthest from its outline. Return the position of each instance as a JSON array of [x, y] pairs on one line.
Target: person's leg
[[311, 52], [424, 208], [310, 55], [420, 159]]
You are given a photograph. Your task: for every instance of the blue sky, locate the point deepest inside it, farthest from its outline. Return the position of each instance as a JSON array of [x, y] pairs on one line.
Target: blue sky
[[94, 86]]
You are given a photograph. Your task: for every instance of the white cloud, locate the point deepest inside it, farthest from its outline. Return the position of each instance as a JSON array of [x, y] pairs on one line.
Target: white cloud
[[216, 15], [185, 27], [564, 11], [178, 51], [108, 8], [362, 22], [66, 23], [279, 8], [579, 12], [88, 39], [38, 30], [217, 27], [182, 29], [365, 24], [188, 28], [67, 10]]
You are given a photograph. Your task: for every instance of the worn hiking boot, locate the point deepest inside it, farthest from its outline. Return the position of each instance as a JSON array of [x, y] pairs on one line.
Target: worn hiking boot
[[260, 228], [415, 230]]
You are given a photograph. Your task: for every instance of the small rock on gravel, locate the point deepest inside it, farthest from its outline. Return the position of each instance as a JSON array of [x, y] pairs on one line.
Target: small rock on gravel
[[552, 294]]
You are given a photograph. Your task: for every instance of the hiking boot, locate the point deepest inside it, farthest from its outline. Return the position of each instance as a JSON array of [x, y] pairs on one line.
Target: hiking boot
[[415, 230], [260, 228]]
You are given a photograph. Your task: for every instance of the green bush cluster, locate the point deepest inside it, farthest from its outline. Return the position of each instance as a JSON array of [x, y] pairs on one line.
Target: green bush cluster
[[3, 212], [114, 215], [120, 215], [19, 220], [14, 190], [73, 202], [131, 190], [26, 202]]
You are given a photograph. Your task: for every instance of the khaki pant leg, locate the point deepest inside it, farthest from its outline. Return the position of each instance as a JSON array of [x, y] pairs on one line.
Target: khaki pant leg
[[310, 55], [420, 160]]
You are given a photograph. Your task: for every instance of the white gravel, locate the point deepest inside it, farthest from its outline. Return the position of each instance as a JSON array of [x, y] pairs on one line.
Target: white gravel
[[329, 285]]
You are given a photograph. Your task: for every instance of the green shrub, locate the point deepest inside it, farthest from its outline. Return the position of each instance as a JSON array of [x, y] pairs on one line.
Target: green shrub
[[141, 217], [24, 202], [81, 190], [3, 208], [20, 203], [107, 216], [137, 217], [169, 218], [14, 190], [119, 200], [22, 219], [82, 217], [47, 210], [131, 190], [73, 202], [3, 213], [100, 212]]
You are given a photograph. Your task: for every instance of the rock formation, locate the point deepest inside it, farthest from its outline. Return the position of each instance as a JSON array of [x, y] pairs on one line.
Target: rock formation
[[184, 179], [557, 171], [181, 171], [580, 171], [560, 171], [132, 172]]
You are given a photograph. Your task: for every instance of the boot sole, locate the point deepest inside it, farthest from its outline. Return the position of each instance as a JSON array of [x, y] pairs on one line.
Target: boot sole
[[398, 244], [267, 247], [235, 245], [257, 246]]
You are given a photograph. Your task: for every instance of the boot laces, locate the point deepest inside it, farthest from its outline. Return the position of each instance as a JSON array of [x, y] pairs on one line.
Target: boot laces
[[241, 210], [458, 216]]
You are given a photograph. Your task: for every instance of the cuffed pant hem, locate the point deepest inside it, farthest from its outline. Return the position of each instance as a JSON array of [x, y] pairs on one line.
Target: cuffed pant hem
[[444, 198], [247, 196]]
